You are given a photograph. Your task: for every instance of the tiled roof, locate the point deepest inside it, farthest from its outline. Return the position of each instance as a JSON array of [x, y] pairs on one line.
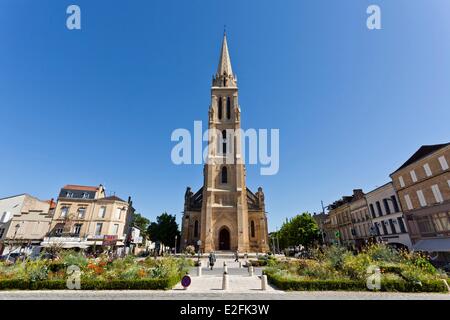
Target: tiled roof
[[112, 198], [422, 153], [77, 187]]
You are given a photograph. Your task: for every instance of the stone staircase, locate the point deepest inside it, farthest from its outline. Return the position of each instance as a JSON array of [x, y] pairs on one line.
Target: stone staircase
[[229, 255]]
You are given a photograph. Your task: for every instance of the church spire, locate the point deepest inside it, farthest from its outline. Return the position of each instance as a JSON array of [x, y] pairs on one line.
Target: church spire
[[224, 67], [224, 76]]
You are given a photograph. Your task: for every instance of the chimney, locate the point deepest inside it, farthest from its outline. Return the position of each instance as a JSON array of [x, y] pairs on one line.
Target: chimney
[[358, 193]]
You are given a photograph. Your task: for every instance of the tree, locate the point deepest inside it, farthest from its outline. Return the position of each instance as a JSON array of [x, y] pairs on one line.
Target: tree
[[302, 229], [141, 222], [164, 229]]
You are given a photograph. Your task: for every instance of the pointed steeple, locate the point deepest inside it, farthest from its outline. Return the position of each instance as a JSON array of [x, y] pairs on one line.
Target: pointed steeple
[[224, 76], [224, 67]]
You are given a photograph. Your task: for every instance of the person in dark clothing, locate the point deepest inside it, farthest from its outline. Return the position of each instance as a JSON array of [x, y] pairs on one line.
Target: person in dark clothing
[[212, 260]]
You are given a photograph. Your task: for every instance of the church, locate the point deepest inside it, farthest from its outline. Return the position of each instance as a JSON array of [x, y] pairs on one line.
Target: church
[[224, 214]]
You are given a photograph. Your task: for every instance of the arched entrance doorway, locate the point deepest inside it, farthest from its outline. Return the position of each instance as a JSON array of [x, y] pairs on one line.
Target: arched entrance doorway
[[224, 239]]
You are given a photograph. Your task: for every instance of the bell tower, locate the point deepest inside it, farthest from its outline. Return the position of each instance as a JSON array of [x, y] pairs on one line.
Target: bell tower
[[221, 206]]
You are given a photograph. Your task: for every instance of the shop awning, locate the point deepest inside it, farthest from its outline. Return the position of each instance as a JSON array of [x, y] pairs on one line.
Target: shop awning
[[433, 245], [65, 245]]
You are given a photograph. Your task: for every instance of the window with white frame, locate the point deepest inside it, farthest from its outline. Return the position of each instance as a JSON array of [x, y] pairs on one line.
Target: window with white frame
[[102, 212], [402, 182], [64, 211], [81, 212], [421, 197], [77, 228], [408, 202], [413, 175], [85, 195], [98, 229], [442, 221], [437, 193], [443, 162], [115, 229], [69, 194], [118, 212], [427, 169]]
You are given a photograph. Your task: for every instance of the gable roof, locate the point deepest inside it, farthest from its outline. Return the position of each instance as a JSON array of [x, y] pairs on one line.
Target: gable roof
[[17, 195], [421, 153]]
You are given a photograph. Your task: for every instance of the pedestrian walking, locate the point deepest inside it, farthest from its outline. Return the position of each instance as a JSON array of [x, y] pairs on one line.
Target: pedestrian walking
[[236, 256], [212, 259]]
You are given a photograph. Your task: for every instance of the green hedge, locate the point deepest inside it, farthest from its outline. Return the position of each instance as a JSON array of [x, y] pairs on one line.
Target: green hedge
[[392, 269], [353, 285], [408, 286], [257, 263], [320, 285], [143, 284]]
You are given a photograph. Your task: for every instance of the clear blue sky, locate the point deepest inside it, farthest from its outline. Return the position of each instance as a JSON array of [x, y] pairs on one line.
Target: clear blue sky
[[99, 105]]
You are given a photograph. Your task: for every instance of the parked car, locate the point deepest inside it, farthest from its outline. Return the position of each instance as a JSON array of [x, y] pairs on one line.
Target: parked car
[[13, 257], [48, 256], [446, 268]]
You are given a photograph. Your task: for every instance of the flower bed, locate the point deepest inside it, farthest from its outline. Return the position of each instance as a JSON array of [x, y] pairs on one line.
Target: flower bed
[[139, 284], [335, 268], [263, 261], [95, 274]]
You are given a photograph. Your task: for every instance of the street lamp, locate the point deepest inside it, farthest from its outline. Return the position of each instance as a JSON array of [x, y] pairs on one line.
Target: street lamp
[[278, 240], [321, 221], [175, 248], [199, 243], [273, 245]]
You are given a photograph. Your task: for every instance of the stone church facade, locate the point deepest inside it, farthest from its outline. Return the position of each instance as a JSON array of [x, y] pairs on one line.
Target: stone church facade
[[224, 214]]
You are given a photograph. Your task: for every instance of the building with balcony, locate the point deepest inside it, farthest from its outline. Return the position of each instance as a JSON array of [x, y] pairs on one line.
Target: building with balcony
[[423, 187], [361, 220], [86, 218], [388, 222], [341, 223]]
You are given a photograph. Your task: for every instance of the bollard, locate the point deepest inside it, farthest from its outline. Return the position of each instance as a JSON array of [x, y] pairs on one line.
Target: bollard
[[240, 264], [251, 271], [263, 282], [225, 281], [225, 267], [199, 270]]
